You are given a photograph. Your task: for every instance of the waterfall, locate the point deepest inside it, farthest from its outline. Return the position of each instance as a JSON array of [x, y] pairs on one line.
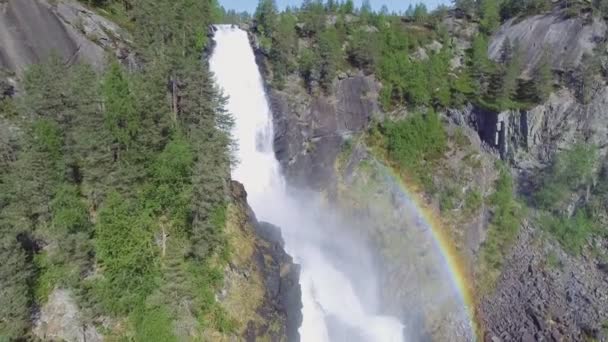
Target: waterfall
[[338, 280]]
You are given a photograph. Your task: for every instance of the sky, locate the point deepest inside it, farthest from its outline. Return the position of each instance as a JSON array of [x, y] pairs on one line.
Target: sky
[[396, 5]]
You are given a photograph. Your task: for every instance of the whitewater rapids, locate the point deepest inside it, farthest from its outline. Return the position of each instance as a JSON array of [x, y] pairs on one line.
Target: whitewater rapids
[[339, 289]]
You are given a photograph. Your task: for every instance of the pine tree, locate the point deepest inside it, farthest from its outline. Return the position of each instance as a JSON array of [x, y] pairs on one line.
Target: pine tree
[[331, 6], [543, 78], [410, 11], [266, 17], [73, 163], [121, 117], [417, 84], [284, 43], [506, 51], [44, 85], [384, 11], [439, 82], [312, 15], [366, 7], [16, 297], [306, 65], [507, 75], [328, 56], [124, 249], [490, 15], [420, 13], [467, 6], [348, 7], [207, 126], [480, 63], [363, 49]]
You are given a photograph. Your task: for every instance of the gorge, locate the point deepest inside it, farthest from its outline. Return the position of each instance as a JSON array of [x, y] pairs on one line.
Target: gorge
[[334, 307], [171, 170]]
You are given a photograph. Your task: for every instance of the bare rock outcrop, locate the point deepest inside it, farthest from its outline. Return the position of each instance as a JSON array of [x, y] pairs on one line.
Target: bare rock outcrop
[[565, 40], [61, 320], [261, 283], [310, 130], [32, 30]]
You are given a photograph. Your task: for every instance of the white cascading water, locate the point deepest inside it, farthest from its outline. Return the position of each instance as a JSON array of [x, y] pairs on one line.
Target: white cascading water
[[339, 292]]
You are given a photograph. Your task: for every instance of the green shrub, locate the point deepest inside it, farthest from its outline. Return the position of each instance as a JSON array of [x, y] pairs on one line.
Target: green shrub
[[415, 138], [125, 250], [503, 229], [416, 142], [449, 198], [572, 170], [153, 325], [460, 138], [49, 275], [70, 214], [553, 260], [572, 233], [472, 201]]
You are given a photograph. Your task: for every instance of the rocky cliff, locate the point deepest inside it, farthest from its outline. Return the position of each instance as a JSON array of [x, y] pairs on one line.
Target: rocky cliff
[[531, 137], [542, 293], [567, 39], [320, 143], [310, 130], [32, 30], [545, 293], [261, 289]]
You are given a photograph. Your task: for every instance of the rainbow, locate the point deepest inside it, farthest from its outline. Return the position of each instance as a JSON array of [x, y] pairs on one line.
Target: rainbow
[[458, 273]]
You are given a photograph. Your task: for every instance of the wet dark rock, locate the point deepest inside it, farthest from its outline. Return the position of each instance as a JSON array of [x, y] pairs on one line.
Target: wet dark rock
[[530, 138], [269, 232], [6, 88], [281, 307], [310, 130]]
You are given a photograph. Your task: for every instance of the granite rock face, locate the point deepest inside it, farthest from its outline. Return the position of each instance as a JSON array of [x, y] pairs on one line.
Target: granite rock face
[[565, 40], [60, 320], [543, 293], [531, 138], [310, 129], [533, 300], [33, 30]]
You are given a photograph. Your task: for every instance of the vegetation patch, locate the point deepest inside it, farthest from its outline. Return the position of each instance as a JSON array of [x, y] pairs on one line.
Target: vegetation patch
[[116, 192], [571, 174], [414, 144], [502, 232]]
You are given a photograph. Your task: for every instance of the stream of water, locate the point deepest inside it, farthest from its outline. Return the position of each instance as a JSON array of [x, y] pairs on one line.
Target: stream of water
[[339, 286]]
